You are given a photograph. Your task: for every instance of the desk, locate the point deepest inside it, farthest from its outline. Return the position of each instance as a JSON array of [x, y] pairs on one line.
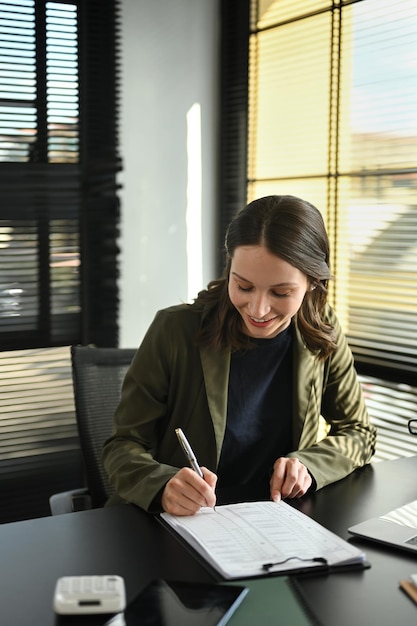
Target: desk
[[373, 596], [124, 540]]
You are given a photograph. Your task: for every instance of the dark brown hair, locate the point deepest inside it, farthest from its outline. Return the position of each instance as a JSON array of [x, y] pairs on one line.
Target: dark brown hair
[[293, 230]]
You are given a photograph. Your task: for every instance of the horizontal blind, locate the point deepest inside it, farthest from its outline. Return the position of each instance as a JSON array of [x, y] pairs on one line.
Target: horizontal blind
[[59, 229], [62, 83], [59, 210], [233, 141], [36, 398], [332, 119], [290, 101], [40, 179], [39, 255], [39, 86], [100, 163], [18, 118], [290, 139], [39, 448], [272, 13], [390, 406], [378, 167]]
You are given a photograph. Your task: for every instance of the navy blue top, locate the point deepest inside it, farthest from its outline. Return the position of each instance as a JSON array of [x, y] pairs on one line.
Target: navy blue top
[[259, 418]]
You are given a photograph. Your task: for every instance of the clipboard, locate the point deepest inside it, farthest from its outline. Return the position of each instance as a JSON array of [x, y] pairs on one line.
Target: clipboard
[[254, 539]]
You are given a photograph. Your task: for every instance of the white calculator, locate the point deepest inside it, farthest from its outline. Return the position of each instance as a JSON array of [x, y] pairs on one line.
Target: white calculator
[[89, 594]]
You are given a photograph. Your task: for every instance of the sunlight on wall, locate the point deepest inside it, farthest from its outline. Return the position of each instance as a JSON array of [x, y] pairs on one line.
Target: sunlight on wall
[[193, 212]]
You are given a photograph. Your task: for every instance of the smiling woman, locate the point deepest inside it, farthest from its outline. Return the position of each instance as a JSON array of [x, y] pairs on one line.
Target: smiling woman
[[265, 305], [246, 371], [285, 239]]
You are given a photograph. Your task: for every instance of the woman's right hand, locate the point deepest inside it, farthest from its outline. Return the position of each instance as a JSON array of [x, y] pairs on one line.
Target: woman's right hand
[[185, 493]]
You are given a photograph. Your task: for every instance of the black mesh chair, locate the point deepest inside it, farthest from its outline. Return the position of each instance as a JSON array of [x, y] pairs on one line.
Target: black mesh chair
[[98, 374]]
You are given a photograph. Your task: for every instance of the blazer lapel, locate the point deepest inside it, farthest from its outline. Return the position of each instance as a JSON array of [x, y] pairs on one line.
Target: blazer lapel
[[216, 368], [216, 378], [304, 372]]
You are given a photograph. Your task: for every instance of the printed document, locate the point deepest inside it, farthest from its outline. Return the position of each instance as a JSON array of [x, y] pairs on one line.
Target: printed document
[[256, 538]]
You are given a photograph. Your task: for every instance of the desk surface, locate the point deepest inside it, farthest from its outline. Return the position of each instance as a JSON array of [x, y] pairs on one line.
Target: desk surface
[[373, 596], [124, 540]]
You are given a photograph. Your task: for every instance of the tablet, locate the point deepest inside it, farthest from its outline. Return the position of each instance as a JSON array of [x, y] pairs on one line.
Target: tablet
[[164, 603]]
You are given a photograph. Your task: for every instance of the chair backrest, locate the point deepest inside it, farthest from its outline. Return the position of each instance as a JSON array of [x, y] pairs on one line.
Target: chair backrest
[[98, 374]]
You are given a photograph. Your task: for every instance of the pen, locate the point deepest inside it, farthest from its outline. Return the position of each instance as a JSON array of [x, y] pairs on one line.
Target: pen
[[188, 451]]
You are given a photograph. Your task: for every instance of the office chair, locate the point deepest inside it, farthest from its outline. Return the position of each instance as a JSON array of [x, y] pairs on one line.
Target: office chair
[[97, 375]]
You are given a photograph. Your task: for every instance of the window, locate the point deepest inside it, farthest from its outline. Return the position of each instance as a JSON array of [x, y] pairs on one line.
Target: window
[[332, 118], [59, 224], [58, 161]]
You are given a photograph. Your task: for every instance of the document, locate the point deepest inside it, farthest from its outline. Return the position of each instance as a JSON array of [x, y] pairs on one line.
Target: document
[[257, 538]]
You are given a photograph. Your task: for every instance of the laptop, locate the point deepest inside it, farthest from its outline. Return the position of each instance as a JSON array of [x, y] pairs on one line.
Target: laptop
[[396, 528]]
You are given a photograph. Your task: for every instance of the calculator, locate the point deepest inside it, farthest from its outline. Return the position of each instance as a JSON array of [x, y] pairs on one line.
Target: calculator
[[76, 595]]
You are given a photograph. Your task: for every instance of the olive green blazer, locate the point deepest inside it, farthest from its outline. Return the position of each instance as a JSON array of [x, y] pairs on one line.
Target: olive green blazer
[[171, 384]]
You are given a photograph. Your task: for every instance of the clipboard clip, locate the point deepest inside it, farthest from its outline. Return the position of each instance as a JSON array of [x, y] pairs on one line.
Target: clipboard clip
[[318, 559]]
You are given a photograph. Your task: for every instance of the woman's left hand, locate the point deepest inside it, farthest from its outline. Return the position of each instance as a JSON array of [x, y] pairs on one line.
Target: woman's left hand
[[290, 479]]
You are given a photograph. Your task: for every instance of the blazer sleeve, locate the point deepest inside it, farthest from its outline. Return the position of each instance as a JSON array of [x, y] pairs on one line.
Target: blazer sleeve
[[338, 398], [158, 395]]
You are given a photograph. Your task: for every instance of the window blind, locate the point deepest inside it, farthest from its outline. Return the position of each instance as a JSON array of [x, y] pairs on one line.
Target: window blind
[[39, 449], [59, 210], [390, 406], [378, 165], [59, 225], [332, 101], [233, 140]]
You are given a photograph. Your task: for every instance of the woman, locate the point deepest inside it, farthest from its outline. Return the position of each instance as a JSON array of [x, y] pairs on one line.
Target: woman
[[246, 371]]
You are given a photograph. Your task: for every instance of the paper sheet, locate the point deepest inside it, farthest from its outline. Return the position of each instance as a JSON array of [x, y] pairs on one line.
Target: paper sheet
[[238, 539]]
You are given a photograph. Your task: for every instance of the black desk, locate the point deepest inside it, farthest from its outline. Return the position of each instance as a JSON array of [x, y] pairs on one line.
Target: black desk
[[124, 540], [371, 597]]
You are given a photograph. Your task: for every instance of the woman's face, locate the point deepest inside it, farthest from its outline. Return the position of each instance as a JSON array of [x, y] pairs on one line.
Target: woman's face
[[266, 290]]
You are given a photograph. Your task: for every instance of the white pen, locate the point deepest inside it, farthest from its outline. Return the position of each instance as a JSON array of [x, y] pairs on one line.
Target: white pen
[[188, 451]]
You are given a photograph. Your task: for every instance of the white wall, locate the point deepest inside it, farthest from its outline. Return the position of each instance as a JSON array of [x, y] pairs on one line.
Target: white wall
[[169, 64]]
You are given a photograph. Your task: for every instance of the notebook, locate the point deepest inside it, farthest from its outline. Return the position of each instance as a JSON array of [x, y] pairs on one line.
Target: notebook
[[395, 528], [251, 539]]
